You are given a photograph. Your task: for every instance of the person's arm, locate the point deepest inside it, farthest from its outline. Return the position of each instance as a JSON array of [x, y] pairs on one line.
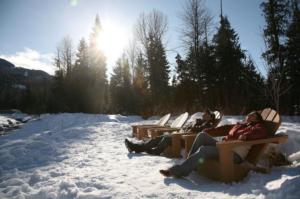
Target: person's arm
[[258, 131], [219, 131], [199, 127]]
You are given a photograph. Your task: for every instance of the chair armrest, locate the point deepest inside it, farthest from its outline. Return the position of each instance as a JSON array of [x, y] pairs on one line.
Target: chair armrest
[[159, 131], [141, 131], [143, 125], [165, 129], [188, 142], [235, 143], [146, 128], [189, 137]]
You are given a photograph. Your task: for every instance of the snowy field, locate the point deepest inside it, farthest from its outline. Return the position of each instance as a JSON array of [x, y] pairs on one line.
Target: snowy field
[[83, 156]]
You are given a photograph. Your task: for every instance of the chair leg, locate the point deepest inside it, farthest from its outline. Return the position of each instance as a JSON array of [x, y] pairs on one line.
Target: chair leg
[[227, 165], [140, 133], [134, 131], [153, 134], [176, 144]]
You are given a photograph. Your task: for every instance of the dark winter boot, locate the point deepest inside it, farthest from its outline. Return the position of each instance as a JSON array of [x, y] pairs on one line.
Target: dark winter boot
[[132, 147]]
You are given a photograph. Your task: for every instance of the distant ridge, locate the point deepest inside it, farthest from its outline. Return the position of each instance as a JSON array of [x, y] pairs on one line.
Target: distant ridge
[[6, 64], [11, 75]]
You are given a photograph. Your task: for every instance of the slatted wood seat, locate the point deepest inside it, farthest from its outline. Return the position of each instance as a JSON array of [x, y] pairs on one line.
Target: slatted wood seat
[[224, 169], [175, 149], [162, 122], [176, 125]]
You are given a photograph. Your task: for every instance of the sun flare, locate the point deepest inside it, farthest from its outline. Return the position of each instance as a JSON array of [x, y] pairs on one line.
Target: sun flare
[[112, 40]]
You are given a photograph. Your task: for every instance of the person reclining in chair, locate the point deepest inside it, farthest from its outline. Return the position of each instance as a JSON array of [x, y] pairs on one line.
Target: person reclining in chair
[[157, 145], [204, 146]]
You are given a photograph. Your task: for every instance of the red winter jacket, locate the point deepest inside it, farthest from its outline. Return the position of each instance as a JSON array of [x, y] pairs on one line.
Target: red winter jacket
[[251, 131]]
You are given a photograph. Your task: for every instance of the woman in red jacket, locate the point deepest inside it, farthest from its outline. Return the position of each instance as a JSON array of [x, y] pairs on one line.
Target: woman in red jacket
[[204, 145]]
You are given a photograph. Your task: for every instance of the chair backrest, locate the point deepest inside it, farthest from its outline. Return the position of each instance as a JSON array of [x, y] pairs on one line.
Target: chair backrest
[[164, 120], [218, 118], [218, 115], [272, 122], [271, 119], [180, 120], [193, 118]]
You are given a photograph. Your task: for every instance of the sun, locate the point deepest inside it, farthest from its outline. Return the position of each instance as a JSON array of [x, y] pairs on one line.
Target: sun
[[112, 40]]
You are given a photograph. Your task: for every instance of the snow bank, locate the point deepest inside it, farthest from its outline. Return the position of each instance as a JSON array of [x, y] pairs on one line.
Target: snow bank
[[83, 156]]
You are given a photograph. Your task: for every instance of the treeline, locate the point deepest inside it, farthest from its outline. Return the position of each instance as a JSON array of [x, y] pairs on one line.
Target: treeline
[[212, 71]]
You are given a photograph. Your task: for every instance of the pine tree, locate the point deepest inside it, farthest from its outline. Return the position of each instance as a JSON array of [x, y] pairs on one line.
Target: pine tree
[[158, 69], [116, 84], [253, 87], [207, 76], [140, 86], [186, 85], [293, 59], [228, 55], [120, 88], [80, 78], [140, 77], [276, 13], [98, 91], [82, 60]]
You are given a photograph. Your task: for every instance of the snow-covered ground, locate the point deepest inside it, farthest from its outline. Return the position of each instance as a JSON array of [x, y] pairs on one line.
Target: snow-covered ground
[[83, 156]]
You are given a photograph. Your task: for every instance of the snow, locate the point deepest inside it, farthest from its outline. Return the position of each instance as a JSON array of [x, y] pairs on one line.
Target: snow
[[83, 156], [6, 121]]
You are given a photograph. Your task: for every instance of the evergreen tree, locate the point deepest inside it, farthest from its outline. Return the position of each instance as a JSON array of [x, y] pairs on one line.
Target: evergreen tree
[[80, 78], [228, 55], [82, 60], [276, 13], [253, 87], [98, 95], [140, 86], [140, 77], [186, 85], [293, 59], [120, 88], [158, 69], [207, 74], [116, 84]]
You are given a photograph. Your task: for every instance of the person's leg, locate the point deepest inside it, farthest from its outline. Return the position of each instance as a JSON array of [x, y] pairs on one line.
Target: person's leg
[[202, 139], [144, 146], [194, 160], [161, 146]]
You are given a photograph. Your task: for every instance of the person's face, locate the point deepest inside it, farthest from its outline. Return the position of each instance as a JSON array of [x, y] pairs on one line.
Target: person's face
[[206, 116], [251, 117]]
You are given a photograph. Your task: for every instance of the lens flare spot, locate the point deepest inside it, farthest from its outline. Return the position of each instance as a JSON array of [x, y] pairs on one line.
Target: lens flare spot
[[200, 161], [73, 2]]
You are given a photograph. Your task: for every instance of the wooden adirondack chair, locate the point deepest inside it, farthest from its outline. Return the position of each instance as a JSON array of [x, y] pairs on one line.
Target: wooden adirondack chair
[[176, 125], [162, 122], [178, 142], [224, 169]]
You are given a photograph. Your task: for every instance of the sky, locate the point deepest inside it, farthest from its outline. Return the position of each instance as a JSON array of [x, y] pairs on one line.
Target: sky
[[31, 30]]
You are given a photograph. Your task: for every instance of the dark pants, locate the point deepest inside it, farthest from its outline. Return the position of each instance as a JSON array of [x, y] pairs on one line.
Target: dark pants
[[154, 146], [203, 147]]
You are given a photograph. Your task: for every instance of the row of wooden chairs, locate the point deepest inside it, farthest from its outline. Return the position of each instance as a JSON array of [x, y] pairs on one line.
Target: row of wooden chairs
[[223, 169]]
